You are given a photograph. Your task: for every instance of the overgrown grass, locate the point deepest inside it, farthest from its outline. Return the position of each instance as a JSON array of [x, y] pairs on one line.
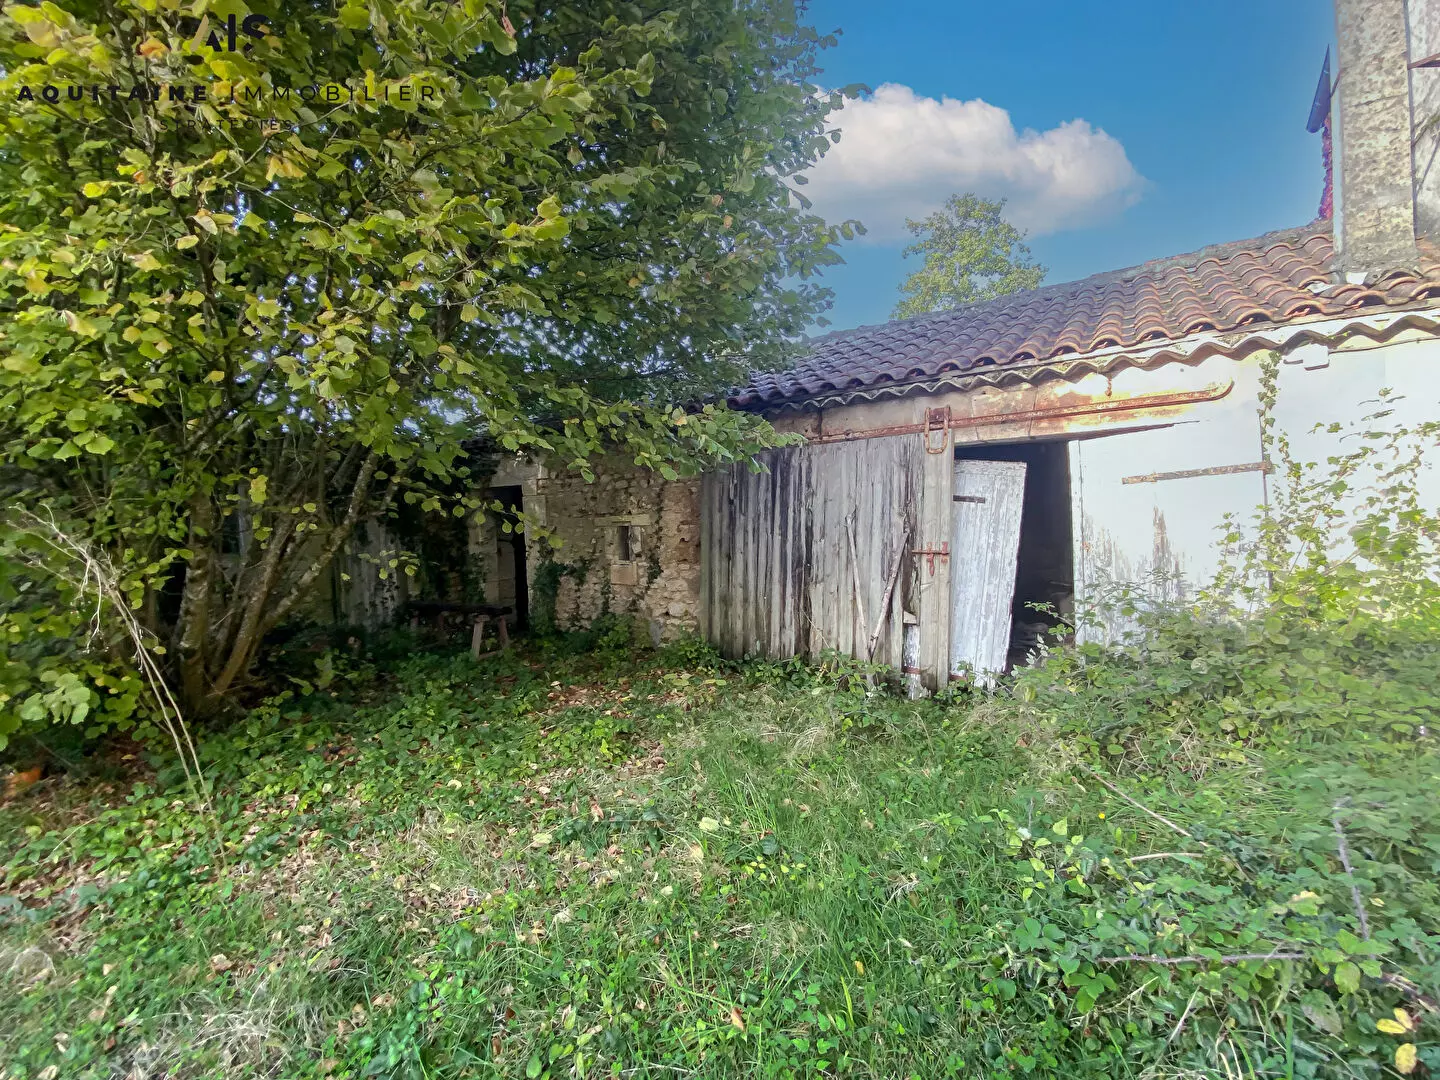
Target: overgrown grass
[[567, 865]]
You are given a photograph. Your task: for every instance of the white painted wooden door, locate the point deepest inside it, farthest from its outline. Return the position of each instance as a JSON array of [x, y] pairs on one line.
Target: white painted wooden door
[[985, 538]]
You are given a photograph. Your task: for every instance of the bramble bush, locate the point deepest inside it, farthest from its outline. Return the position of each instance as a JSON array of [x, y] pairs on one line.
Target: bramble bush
[[1294, 704]]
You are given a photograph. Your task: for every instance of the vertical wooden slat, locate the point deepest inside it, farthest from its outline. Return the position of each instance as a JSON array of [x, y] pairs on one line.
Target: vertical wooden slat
[[843, 496], [802, 537], [816, 587], [707, 560], [773, 575], [933, 531], [745, 560], [781, 600]]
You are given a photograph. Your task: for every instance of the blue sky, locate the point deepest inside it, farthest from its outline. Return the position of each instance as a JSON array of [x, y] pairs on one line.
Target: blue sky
[[1192, 126]]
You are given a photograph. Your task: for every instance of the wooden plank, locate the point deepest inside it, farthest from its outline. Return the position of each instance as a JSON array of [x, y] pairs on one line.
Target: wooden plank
[[735, 540], [707, 562], [886, 604], [933, 591], [844, 494], [801, 537], [745, 509], [822, 629], [987, 503], [778, 510]]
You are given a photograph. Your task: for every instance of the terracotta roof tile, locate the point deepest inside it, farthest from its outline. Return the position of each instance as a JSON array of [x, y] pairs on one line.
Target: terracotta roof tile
[[1272, 279]]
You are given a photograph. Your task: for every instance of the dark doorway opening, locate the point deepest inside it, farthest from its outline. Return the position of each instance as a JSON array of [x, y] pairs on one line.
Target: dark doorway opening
[[512, 585], [1045, 566]]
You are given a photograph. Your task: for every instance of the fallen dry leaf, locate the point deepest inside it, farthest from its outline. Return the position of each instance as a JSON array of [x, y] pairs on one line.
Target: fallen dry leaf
[[737, 1019], [221, 962]]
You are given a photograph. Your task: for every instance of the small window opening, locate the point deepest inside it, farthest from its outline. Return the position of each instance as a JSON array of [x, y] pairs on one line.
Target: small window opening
[[625, 543]]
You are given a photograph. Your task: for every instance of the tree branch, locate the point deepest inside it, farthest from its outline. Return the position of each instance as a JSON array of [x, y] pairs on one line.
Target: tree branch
[[337, 537], [1173, 961]]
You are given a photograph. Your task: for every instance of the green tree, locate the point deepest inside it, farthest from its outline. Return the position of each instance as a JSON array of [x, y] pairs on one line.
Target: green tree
[[250, 297], [971, 254]]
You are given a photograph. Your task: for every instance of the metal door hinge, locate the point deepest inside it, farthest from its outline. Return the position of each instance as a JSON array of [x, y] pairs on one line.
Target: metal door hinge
[[931, 554], [937, 420]]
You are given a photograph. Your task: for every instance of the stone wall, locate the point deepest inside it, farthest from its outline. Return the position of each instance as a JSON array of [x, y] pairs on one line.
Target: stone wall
[[631, 545]]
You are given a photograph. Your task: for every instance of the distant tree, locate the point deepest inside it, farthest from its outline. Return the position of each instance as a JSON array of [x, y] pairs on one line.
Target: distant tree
[[971, 254]]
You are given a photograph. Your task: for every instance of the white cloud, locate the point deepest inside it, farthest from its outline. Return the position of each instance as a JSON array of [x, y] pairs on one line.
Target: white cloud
[[901, 155]]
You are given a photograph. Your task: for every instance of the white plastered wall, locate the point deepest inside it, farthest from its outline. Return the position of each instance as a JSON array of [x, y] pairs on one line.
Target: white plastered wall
[[1162, 529]]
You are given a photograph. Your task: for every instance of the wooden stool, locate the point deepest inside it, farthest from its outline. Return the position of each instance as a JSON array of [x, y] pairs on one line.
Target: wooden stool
[[477, 635]]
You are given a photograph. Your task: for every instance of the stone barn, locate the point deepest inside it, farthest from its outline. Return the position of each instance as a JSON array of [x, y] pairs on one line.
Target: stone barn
[[968, 476]]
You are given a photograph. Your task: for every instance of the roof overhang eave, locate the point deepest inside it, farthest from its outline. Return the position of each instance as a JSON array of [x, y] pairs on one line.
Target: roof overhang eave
[[1378, 325]]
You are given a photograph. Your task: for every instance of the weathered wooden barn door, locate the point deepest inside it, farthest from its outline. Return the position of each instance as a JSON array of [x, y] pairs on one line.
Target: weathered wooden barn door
[[798, 558], [988, 499]]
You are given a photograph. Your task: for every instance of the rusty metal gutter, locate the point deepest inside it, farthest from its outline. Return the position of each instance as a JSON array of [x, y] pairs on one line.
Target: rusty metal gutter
[[941, 419]]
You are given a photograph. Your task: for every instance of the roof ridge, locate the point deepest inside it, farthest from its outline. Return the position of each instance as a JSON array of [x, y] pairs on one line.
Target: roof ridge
[[1185, 260]]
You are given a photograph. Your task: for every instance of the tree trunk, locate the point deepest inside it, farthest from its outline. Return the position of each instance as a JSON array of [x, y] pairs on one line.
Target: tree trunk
[[247, 635], [262, 613], [194, 620]]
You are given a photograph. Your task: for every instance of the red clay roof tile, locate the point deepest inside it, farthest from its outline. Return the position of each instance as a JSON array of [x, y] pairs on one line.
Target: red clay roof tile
[[1272, 279]]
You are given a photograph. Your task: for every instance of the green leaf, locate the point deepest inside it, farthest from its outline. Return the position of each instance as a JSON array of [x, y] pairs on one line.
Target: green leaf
[[354, 17], [1347, 977]]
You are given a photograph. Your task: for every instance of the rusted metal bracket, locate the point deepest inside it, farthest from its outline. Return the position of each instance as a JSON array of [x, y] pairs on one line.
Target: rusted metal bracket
[[931, 554], [937, 420], [1186, 474]]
